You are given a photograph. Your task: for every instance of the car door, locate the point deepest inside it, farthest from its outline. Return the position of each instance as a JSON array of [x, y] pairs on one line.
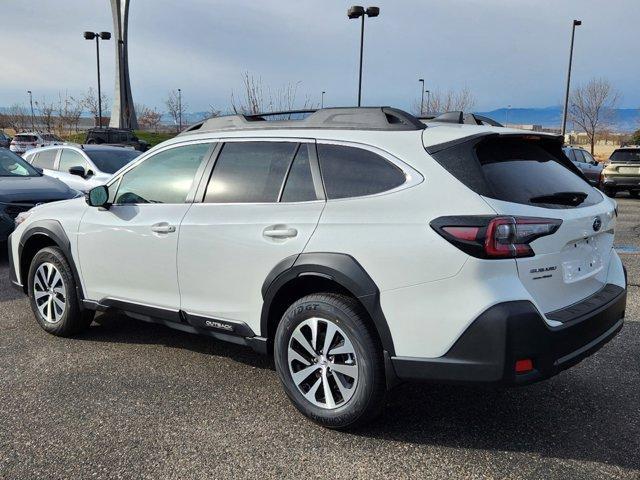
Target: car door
[[73, 158], [260, 205], [128, 252], [46, 160]]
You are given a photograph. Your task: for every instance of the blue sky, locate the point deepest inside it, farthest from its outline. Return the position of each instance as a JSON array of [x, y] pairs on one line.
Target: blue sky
[[505, 51]]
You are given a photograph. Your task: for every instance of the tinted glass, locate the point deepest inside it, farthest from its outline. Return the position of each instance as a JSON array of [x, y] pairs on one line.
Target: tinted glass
[[11, 165], [166, 177], [587, 157], [70, 158], [299, 186], [579, 156], [354, 172], [250, 172], [626, 156], [110, 161], [524, 172], [26, 138], [45, 159], [569, 153]]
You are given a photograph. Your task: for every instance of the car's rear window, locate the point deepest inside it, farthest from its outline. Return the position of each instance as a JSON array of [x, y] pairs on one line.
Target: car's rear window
[[111, 160], [626, 156], [26, 138], [519, 170]]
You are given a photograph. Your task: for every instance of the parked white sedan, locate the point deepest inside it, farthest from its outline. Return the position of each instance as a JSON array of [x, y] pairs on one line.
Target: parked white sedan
[[81, 167]]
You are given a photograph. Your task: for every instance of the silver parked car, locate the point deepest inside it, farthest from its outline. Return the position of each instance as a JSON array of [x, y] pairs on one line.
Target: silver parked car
[[81, 167]]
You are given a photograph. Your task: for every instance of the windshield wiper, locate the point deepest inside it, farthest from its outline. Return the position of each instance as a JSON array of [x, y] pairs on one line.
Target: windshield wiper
[[561, 198]]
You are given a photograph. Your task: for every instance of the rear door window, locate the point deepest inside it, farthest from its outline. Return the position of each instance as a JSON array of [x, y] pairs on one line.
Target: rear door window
[[299, 184], [526, 172], [355, 172], [71, 158], [45, 159], [250, 172]]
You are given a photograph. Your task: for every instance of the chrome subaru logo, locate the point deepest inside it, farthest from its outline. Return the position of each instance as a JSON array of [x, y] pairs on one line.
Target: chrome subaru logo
[[597, 224]]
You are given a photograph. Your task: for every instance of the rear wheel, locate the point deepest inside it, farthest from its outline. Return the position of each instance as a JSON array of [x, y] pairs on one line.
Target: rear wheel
[[634, 193], [52, 293], [330, 361], [609, 192]]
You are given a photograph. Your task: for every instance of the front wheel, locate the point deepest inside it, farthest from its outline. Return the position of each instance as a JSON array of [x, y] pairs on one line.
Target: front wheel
[[52, 294], [330, 361]]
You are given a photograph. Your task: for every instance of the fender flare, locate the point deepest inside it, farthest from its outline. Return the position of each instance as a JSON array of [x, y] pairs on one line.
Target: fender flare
[[55, 232], [338, 267]]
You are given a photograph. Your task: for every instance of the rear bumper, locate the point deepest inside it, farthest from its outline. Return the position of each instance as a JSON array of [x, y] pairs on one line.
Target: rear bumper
[[511, 331], [621, 182]]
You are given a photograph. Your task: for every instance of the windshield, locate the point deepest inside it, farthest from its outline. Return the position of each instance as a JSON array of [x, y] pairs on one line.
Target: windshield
[[111, 160], [11, 165], [626, 156]]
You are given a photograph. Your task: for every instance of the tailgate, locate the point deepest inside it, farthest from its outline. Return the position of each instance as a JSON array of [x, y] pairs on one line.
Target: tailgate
[[572, 263]]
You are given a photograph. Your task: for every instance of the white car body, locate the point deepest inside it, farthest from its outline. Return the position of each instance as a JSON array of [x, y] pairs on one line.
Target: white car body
[[26, 141], [55, 160], [214, 261]]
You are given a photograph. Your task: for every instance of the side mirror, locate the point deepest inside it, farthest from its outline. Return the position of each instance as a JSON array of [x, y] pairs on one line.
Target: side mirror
[[98, 197], [79, 171], [594, 162], [39, 170]]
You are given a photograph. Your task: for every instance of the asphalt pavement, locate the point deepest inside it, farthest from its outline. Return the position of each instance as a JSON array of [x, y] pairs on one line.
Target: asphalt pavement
[[129, 400]]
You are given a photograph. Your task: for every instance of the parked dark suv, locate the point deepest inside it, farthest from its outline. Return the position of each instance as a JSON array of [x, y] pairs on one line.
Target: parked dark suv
[[115, 136]]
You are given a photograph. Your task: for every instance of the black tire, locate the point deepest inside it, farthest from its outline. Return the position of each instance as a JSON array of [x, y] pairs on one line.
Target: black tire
[[367, 400], [72, 319], [634, 193], [609, 192]]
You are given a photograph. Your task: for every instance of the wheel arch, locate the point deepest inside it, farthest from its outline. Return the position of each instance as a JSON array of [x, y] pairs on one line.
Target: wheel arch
[[39, 235], [300, 275]]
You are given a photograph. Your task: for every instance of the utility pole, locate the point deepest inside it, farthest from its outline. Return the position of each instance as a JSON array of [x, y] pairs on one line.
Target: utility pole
[[421, 81], [180, 109], [33, 121], [576, 23], [357, 12]]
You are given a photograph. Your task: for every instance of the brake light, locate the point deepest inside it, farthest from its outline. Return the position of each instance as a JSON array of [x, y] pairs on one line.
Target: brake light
[[495, 237]]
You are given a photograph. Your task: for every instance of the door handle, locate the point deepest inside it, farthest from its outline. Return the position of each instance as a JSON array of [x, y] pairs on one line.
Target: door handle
[[278, 231], [163, 227]]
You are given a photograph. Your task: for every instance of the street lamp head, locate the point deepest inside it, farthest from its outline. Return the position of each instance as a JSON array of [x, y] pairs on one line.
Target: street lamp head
[[105, 35], [355, 12], [577, 23], [89, 35], [373, 11], [421, 80]]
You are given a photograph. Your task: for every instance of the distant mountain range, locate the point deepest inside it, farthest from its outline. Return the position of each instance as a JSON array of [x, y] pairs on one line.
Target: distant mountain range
[[624, 119]]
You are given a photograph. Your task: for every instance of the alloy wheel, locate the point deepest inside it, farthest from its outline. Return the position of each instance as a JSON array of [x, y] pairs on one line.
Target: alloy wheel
[[50, 293], [322, 363]]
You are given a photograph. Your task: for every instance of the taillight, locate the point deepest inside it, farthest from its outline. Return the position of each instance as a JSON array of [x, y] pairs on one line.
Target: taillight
[[495, 237]]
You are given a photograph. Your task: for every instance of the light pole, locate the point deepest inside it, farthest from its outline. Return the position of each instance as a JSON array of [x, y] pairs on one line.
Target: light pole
[[97, 36], [322, 99], [506, 116], [33, 122], [357, 12], [180, 109], [576, 23], [421, 81], [428, 99]]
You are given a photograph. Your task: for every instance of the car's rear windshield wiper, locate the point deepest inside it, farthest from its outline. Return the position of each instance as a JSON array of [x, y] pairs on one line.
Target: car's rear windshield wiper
[[561, 198]]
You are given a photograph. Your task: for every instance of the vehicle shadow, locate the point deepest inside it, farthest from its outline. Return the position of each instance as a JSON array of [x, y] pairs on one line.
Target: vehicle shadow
[[114, 327], [588, 413]]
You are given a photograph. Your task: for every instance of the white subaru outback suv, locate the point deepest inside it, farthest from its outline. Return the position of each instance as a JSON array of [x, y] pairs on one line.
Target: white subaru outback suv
[[359, 246]]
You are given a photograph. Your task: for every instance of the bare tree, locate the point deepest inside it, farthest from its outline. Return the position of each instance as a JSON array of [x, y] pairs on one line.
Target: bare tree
[[17, 117], [46, 114], [89, 101], [592, 107], [147, 118], [69, 111], [255, 98], [176, 108], [438, 101]]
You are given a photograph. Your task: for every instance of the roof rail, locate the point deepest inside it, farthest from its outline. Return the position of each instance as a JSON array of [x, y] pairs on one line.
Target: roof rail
[[460, 118], [344, 118]]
